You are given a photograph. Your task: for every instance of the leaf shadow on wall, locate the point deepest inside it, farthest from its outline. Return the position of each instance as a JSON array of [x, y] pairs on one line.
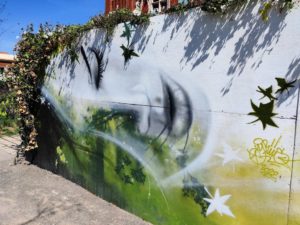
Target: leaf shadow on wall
[[206, 35], [140, 38], [49, 210], [293, 73]]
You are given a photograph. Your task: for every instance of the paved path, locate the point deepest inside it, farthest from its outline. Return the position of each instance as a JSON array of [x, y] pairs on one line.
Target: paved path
[[8, 148], [30, 195]]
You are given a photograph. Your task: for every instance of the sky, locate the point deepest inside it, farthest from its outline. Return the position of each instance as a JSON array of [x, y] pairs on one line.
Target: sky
[[19, 13]]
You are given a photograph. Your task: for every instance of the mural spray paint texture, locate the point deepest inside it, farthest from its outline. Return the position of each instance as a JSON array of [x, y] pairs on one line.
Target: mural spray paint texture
[[167, 135]]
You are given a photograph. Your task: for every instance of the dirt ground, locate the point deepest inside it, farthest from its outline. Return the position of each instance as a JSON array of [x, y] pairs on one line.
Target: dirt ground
[[30, 195]]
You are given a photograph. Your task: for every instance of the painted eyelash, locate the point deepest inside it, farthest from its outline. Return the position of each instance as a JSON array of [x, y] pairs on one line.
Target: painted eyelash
[[99, 76], [86, 62]]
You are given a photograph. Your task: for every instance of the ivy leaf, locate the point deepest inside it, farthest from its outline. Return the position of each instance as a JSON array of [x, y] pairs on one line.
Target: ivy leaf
[[127, 179], [284, 85], [133, 24], [267, 92], [194, 189], [127, 32], [128, 53], [73, 54], [138, 175], [265, 10], [264, 113]]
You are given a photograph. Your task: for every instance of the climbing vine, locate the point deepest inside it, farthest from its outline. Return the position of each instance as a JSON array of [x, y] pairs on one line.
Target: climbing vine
[[267, 6], [223, 6], [110, 21]]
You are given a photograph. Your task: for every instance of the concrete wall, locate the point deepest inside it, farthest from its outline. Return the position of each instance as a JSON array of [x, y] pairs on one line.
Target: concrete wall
[[167, 136]]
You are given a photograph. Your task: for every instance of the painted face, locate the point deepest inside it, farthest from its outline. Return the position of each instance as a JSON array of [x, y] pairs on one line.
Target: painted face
[[159, 118]]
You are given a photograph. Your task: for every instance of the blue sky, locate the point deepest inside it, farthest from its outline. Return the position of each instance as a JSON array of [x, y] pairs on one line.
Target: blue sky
[[19, 13]]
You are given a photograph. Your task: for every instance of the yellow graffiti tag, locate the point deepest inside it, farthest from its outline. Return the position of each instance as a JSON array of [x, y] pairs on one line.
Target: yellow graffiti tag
[[269, 157], [269, 172]]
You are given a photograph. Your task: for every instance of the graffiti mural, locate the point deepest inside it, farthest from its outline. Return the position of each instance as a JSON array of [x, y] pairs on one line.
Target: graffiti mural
[[167, 135]]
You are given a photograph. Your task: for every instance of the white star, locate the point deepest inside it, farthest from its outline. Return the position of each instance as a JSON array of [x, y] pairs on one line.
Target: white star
[[229, 155], [217, 203]]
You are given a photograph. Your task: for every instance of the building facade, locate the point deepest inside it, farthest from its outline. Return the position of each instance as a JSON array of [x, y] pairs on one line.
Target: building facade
[[143, 6], [5, 60]]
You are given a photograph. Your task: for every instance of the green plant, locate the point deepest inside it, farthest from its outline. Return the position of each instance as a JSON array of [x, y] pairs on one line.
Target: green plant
[[8, 121], [179, 8], [220, 6], [223, 6], [210, 6], [119, 16], [264, 11]]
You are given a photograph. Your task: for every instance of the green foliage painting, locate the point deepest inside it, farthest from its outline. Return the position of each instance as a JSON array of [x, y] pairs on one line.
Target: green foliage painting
[[268, 92], [128, 51], [264, 113], [284, 85]]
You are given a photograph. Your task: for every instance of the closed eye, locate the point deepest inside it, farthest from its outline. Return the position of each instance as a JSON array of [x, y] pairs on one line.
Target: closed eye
[[97, 76]]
